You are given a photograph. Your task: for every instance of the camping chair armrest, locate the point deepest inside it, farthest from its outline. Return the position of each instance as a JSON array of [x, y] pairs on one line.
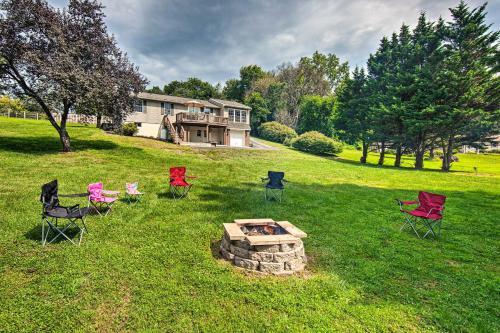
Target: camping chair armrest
[[437, 208], [72, 209], [76, 195], [284, 180], [262, 179], [408, 202], [402, 203]]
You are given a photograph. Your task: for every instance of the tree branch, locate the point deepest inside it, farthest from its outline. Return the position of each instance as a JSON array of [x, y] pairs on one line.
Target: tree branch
[[30, 92]]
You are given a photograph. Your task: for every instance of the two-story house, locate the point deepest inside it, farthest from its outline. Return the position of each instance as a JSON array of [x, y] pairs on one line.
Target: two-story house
[[186, 120]]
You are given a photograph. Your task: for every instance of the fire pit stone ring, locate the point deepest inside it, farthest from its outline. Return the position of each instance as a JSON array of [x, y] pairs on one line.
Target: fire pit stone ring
[[264, 245]]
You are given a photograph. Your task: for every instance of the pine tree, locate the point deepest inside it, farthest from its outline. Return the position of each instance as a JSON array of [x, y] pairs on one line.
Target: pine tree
[[470, 79], [421, 116], [354, 112]]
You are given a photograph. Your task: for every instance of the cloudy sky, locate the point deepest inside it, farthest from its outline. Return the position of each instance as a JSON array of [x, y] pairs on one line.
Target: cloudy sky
[[176, 39]]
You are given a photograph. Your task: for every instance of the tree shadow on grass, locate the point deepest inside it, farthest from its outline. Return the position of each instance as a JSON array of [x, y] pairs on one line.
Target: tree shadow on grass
[[165, 195], [40, 145], [391, 167]]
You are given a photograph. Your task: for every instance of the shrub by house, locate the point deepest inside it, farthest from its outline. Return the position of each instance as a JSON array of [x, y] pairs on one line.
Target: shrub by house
[[129, 129], [274, 131]]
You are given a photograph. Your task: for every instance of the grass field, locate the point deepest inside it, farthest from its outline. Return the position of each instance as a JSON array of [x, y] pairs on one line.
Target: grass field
[[151, 266]]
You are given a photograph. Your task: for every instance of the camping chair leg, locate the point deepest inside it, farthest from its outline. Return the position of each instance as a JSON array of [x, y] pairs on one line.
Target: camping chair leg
[[44, 236], [59, 232], [96, 207], [84, 225], [412, 224], [276, 194], [179, 192], [430, 225], [52, 225], [82, 230], [108, 209]]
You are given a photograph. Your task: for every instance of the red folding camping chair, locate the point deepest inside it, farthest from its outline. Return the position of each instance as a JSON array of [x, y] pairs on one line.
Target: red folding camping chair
[[429, 211], [179, 187]]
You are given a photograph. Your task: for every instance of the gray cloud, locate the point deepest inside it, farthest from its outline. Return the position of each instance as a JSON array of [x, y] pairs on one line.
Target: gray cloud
[[175, 39]]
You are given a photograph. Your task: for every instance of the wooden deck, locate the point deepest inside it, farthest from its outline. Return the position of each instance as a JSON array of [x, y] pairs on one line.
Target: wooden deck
[[201, 118]]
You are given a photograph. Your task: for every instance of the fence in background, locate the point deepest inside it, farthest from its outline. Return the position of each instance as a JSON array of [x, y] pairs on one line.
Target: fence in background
[[72, 118]]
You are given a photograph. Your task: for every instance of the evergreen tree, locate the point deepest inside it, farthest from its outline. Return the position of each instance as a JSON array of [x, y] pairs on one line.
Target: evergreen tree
[[470, 77], [353, 120], [421, 117]]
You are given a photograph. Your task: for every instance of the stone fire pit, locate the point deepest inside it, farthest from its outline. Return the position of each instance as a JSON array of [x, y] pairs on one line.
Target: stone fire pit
[[264, 245]]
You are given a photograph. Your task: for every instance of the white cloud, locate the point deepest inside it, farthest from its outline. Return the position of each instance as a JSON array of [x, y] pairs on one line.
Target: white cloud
[[211, 40]]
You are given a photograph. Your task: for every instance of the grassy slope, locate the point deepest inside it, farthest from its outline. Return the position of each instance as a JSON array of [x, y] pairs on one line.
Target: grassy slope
[[151, 265]]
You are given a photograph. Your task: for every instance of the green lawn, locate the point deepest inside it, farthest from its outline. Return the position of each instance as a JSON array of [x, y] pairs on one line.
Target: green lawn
[[151, 266]]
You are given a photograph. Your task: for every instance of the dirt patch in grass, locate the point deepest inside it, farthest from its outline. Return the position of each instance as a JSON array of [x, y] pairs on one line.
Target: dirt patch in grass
[[112, 316]]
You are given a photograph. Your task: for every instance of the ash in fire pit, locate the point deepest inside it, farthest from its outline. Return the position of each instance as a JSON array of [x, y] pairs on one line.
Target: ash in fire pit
[[264, 245], [256, 230]]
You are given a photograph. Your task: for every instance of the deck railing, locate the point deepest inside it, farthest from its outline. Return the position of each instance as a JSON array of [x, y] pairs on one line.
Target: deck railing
[[202, 118]]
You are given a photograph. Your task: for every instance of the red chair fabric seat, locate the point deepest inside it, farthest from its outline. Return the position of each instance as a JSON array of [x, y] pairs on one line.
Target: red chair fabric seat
[[423, 214], [179, 182], [179, 187], [429, 212]]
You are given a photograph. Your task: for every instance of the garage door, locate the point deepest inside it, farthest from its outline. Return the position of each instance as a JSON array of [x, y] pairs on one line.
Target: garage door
[[236, 138]]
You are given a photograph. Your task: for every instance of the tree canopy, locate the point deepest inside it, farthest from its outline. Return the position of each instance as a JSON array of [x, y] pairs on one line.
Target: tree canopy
[[65, 60], [435, 85], [191, 88]]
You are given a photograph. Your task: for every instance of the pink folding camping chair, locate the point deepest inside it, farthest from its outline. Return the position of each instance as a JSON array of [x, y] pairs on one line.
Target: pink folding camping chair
[[132, 194], [429, 211], [100, 198]]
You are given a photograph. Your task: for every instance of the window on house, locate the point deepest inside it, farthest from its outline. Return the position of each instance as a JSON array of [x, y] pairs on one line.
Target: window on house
[[138, 124], [207, 110], [194, 109], [167, 109], [198, 133], [237, 116], [140, 106]]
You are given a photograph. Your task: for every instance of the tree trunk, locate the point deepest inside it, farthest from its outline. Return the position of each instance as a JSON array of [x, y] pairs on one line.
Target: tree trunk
[[420, 151], [419, 159], [61, 129], [431, 153], [382, 154], [63, 134], [399, 153], [365, 152], [447, 155], [98, 121], [65, 140]]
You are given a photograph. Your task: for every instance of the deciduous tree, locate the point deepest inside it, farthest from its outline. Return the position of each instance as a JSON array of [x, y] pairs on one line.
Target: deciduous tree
[[64, 60]]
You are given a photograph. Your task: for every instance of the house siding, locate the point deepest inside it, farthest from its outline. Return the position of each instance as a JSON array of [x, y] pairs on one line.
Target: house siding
[[151, 119]]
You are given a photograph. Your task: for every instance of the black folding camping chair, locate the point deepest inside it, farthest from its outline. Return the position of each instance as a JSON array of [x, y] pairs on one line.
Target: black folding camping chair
[[52, 211], [275, 185]]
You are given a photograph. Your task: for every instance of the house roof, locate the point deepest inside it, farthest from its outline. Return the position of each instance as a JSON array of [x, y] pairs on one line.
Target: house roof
[[175, 99], [231, 104]]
